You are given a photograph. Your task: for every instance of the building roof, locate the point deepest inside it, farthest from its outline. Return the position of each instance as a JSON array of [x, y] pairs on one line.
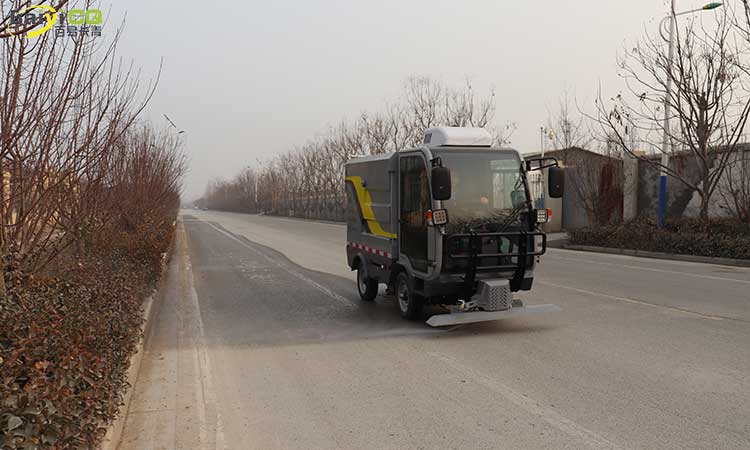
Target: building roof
[[562, 153]]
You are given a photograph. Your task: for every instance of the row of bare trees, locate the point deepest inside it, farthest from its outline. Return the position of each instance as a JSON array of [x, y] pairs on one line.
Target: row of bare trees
[[76, 162], [307, 181]]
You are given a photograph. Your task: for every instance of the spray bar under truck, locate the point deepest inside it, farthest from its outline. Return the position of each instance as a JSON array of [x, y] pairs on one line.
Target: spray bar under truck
[[450, 223]]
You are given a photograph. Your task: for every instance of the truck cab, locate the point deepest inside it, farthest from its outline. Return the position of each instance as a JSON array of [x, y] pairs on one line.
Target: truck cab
[[450, 222]]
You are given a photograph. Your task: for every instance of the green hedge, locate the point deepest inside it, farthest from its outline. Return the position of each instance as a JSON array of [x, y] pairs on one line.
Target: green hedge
[[66, 342], [717, 238]]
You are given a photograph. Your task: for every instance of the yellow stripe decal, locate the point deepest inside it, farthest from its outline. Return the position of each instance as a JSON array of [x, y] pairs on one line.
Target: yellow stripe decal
[[365, 204]]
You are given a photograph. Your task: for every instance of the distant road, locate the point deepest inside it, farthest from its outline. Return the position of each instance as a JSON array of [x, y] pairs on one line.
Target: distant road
[[260, 342]]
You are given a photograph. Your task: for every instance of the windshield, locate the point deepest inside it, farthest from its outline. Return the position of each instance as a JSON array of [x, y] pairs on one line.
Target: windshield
[[488, 189]]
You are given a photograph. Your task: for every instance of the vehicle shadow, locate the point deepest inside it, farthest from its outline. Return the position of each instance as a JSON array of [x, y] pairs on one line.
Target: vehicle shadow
[[253, 295]]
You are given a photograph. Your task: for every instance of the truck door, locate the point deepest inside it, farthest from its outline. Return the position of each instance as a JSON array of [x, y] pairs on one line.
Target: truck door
[[415, 202]]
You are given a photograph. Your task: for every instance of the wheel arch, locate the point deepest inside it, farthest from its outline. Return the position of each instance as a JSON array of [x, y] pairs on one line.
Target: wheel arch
[[396, 269], [360, 261]]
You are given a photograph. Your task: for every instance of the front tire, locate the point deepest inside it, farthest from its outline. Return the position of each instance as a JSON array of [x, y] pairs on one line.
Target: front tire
[[367, 287], [409, 303]]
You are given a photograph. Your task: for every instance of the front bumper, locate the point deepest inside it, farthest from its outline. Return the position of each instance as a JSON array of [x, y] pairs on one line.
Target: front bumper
[[449, 288], [460, 318]]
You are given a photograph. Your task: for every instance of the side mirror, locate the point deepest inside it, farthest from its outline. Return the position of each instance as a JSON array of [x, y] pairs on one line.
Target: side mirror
[[441, 183], [556, 182]]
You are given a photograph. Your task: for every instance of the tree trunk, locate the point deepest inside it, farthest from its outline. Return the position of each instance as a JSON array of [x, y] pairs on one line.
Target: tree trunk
[[704, 208], [705, 191]]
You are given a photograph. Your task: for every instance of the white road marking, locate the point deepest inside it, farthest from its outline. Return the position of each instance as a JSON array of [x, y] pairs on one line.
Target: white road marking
[[204, 390], [585, 436], [649, 269], [290, 271], [633, 301]]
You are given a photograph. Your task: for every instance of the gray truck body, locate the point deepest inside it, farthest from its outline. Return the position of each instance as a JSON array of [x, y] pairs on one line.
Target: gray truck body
[[388, 197]]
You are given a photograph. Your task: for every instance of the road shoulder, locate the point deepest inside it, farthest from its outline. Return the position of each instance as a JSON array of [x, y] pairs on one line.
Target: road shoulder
[[173, 403]]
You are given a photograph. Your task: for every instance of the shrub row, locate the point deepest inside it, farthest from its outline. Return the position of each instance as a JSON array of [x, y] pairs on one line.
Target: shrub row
[[716, 238], [66, 342]]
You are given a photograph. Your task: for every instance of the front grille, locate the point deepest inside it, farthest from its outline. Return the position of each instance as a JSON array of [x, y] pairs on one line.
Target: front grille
[[494, 295]]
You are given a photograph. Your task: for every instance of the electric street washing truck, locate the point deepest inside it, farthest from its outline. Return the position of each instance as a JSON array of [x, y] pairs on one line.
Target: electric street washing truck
[[449, 223]]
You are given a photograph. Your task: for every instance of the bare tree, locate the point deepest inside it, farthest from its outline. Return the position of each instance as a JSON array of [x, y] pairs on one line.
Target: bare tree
[[567, 128], [594, 166], [52, 146], [503, 135], [378, 133], [735, 189], [430, 103], [710, 106], [246, 182]]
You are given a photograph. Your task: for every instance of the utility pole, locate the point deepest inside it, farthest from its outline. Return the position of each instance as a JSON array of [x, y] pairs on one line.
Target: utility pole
[[665, 146], [543, 196]]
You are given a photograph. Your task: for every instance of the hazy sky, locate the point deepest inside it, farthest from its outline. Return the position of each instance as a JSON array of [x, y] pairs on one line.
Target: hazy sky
[[247, 83]]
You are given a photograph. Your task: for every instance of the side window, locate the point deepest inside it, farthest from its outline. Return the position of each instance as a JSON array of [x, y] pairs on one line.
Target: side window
[[415, 192], [415, 201]]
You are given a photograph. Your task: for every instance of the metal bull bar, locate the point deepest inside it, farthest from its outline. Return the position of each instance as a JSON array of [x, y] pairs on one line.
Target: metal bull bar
[[523, 240], [525, 249]]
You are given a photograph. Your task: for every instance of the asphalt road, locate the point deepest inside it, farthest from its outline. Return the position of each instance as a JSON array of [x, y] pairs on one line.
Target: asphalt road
[[260, 342]]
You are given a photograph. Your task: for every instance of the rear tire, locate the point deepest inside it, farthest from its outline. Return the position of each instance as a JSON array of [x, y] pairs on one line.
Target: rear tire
[[409, 303], [367, 287]]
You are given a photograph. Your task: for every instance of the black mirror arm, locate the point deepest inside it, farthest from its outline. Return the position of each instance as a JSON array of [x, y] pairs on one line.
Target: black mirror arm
[[544, 163]]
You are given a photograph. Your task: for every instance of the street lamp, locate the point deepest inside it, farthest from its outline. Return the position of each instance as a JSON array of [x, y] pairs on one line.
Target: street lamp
[[541, 202], [672, 17], [173, 125]]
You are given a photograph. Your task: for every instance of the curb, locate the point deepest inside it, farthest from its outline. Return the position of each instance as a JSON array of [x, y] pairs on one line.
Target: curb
[[656, 255], [557, 243], [114, 431]]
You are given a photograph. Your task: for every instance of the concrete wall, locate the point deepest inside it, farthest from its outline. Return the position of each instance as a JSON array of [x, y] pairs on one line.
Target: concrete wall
[[682, 201], [595, 177], [583, 172], [574, 214], [640, 187], [678, 194], [630, 188]]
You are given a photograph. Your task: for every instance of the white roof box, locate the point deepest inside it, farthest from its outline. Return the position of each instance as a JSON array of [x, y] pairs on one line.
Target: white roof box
[[457, 137]]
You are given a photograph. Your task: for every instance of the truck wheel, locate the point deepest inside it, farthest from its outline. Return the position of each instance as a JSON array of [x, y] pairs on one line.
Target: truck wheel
[[409, 303], [367, 287]]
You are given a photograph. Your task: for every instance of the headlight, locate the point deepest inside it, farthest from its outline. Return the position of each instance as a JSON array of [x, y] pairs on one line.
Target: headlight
[[542, 216], [440, 217]]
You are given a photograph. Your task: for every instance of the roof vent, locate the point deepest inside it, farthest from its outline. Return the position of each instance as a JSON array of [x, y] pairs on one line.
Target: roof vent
[[457, 137]]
